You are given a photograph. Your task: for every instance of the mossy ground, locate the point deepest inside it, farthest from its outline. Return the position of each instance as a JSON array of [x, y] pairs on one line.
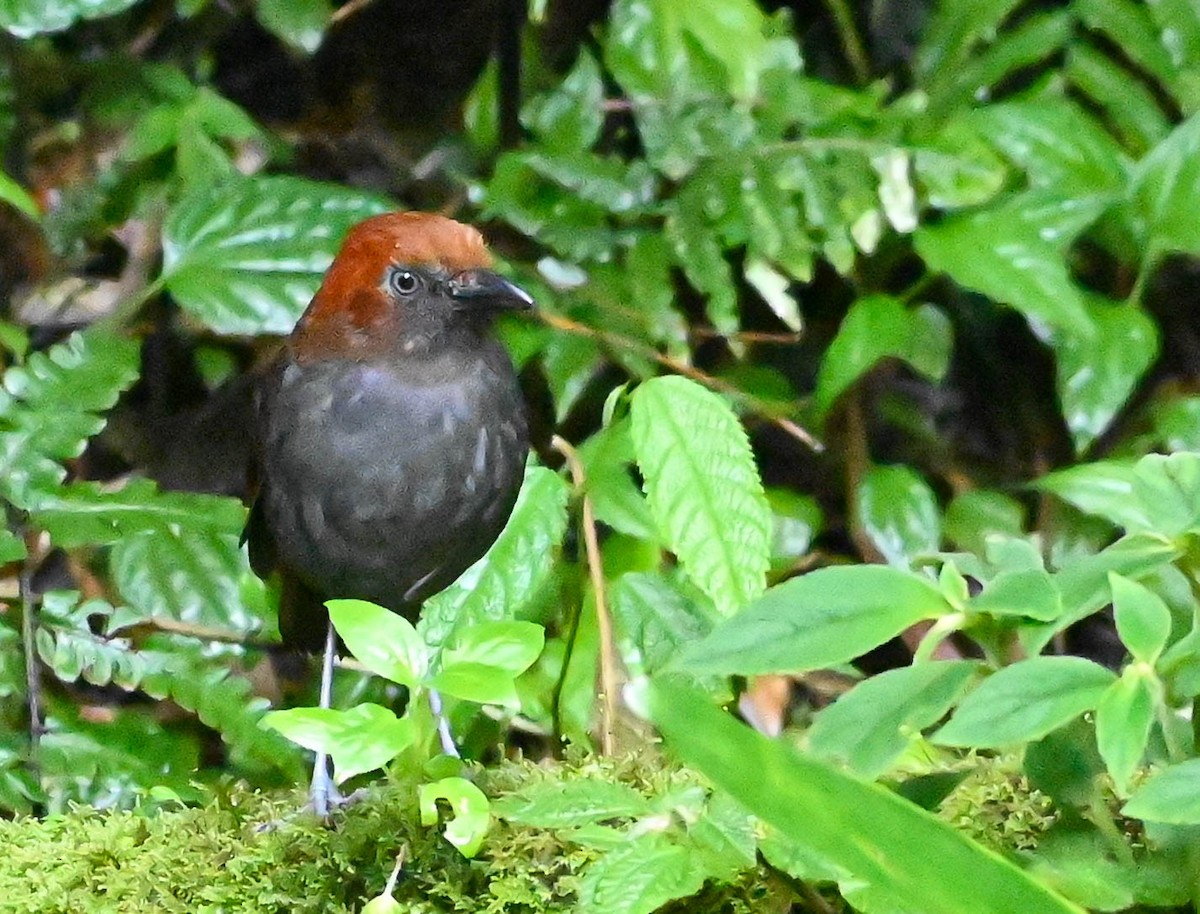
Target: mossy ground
[[218, 859]]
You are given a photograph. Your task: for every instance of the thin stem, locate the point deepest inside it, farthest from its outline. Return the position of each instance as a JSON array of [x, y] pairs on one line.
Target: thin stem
[[608, 653], [33, 669], [852, 45], [617, 341]]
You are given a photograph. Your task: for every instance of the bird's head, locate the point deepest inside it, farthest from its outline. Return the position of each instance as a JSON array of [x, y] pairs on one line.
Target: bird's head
[[404, 283]]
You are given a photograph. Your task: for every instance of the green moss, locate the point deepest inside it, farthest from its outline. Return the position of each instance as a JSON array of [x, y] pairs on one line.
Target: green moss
[[996, 806], [219, 859]]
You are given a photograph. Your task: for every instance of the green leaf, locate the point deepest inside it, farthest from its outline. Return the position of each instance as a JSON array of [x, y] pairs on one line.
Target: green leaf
[[15, 195], [899, 512], [50, 406], [301, 23], [1030, 593], [654, 618], [1165, 192], [703, 262], [607, 458], [509, 646], [975, 515], [569, 117], [797, 519], [382, 641], [901, 852], [481, 683], [245, 256], [361, 739], [1171, 796], [870, 726], [184, 572], [570, 804], [85, 513], [1103, 488], [26, 18], [12, 549], [1002, 254], [1123, 719], [879, 327], [1059, 146], [1097, 372], [507, 578], [703, 488], [817, 620], [472, 815], [1025, 701], [1124, 101], [640, 876], [1143, 620]]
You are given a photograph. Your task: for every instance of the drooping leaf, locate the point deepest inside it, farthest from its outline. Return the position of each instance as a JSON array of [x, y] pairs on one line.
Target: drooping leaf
[[901, 852], [1097, 373], [385, 643], [703, 488], [817, 620], [878, 327], [246, 255], [301, 23]]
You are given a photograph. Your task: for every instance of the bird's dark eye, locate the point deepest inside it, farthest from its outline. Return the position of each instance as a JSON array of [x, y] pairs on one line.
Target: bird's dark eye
[[404, 282]]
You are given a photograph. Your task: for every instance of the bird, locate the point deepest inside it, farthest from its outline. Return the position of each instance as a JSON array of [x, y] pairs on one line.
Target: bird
[[392, 434]]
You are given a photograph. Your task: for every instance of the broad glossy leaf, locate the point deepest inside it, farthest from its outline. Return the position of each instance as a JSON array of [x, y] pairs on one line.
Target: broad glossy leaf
[[1166, 191], [1103, 488], [1143, 620], [878, 327], [1098, 372], [1123, 719], [1025, 701], [361, 739], [510, 646], [703, 488], [569, 117], [505, 580], [900, 851], [899, 512], [820, 619], [26, 18], [472, 814], [1168, 486], [1172, 796], [607, 457], [974, 515], [382, 641], [481, 683], [996, 253], [870, 726], [185, 572], [245, 256], [1058, 145]]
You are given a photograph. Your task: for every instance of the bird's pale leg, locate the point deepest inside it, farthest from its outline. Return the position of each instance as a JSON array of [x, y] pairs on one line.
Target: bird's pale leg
[[322, 793], [443, 725]]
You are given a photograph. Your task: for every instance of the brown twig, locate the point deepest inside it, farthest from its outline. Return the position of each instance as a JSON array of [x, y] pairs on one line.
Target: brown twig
[[348, 10], [618, 341], [608, 654]]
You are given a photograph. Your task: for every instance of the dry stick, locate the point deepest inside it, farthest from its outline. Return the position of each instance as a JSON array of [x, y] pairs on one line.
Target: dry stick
[[616, 340], [33, 670], [608, 660]]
